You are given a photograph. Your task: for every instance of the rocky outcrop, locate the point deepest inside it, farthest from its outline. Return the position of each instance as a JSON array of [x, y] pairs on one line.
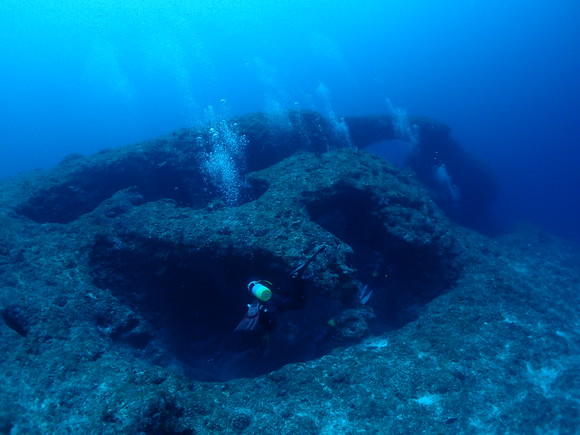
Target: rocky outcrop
[[123, 276], [172, 166]]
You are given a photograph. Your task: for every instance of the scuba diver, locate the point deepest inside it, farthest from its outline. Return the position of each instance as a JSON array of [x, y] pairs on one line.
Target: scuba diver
[[262, 313]]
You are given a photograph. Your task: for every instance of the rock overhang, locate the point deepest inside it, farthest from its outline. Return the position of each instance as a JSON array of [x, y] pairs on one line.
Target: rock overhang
[[185, 270]]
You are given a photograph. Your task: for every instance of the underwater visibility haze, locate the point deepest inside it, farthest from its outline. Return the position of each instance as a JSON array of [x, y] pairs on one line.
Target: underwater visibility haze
[[304, 216], [82, 76]]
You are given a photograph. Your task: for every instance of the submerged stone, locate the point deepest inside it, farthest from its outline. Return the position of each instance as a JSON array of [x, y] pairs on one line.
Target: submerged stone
[[123, 277]]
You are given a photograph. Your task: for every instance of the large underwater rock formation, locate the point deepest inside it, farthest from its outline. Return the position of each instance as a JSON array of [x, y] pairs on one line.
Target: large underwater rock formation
[[170, 167], [123, 276]]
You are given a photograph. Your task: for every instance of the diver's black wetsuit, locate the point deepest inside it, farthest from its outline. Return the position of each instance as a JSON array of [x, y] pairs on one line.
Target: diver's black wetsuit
[[261, 316], [295, 299]]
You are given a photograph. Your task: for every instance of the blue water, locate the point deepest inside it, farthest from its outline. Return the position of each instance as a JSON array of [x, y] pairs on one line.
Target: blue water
[[82, 76]]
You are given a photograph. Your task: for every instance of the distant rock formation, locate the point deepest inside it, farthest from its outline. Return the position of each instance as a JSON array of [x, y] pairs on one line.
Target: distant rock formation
[[171, 166]]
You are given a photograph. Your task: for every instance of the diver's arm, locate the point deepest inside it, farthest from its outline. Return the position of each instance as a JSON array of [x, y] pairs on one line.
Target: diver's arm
[[299, 271]]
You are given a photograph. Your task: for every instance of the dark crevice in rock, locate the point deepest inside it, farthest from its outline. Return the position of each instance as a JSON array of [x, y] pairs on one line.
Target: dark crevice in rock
[[403, 276], [84, 190], [194, 299], [16, 319]]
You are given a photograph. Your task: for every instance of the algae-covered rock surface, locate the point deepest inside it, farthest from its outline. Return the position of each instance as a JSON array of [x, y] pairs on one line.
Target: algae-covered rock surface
[[124, 286]]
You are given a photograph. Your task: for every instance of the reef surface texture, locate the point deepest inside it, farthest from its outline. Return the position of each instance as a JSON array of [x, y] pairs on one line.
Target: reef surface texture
[[123, 277]]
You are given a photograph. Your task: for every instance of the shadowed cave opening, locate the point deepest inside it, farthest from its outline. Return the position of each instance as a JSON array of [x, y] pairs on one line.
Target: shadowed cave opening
[[193, 300], [403, 277], [80, 192]]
